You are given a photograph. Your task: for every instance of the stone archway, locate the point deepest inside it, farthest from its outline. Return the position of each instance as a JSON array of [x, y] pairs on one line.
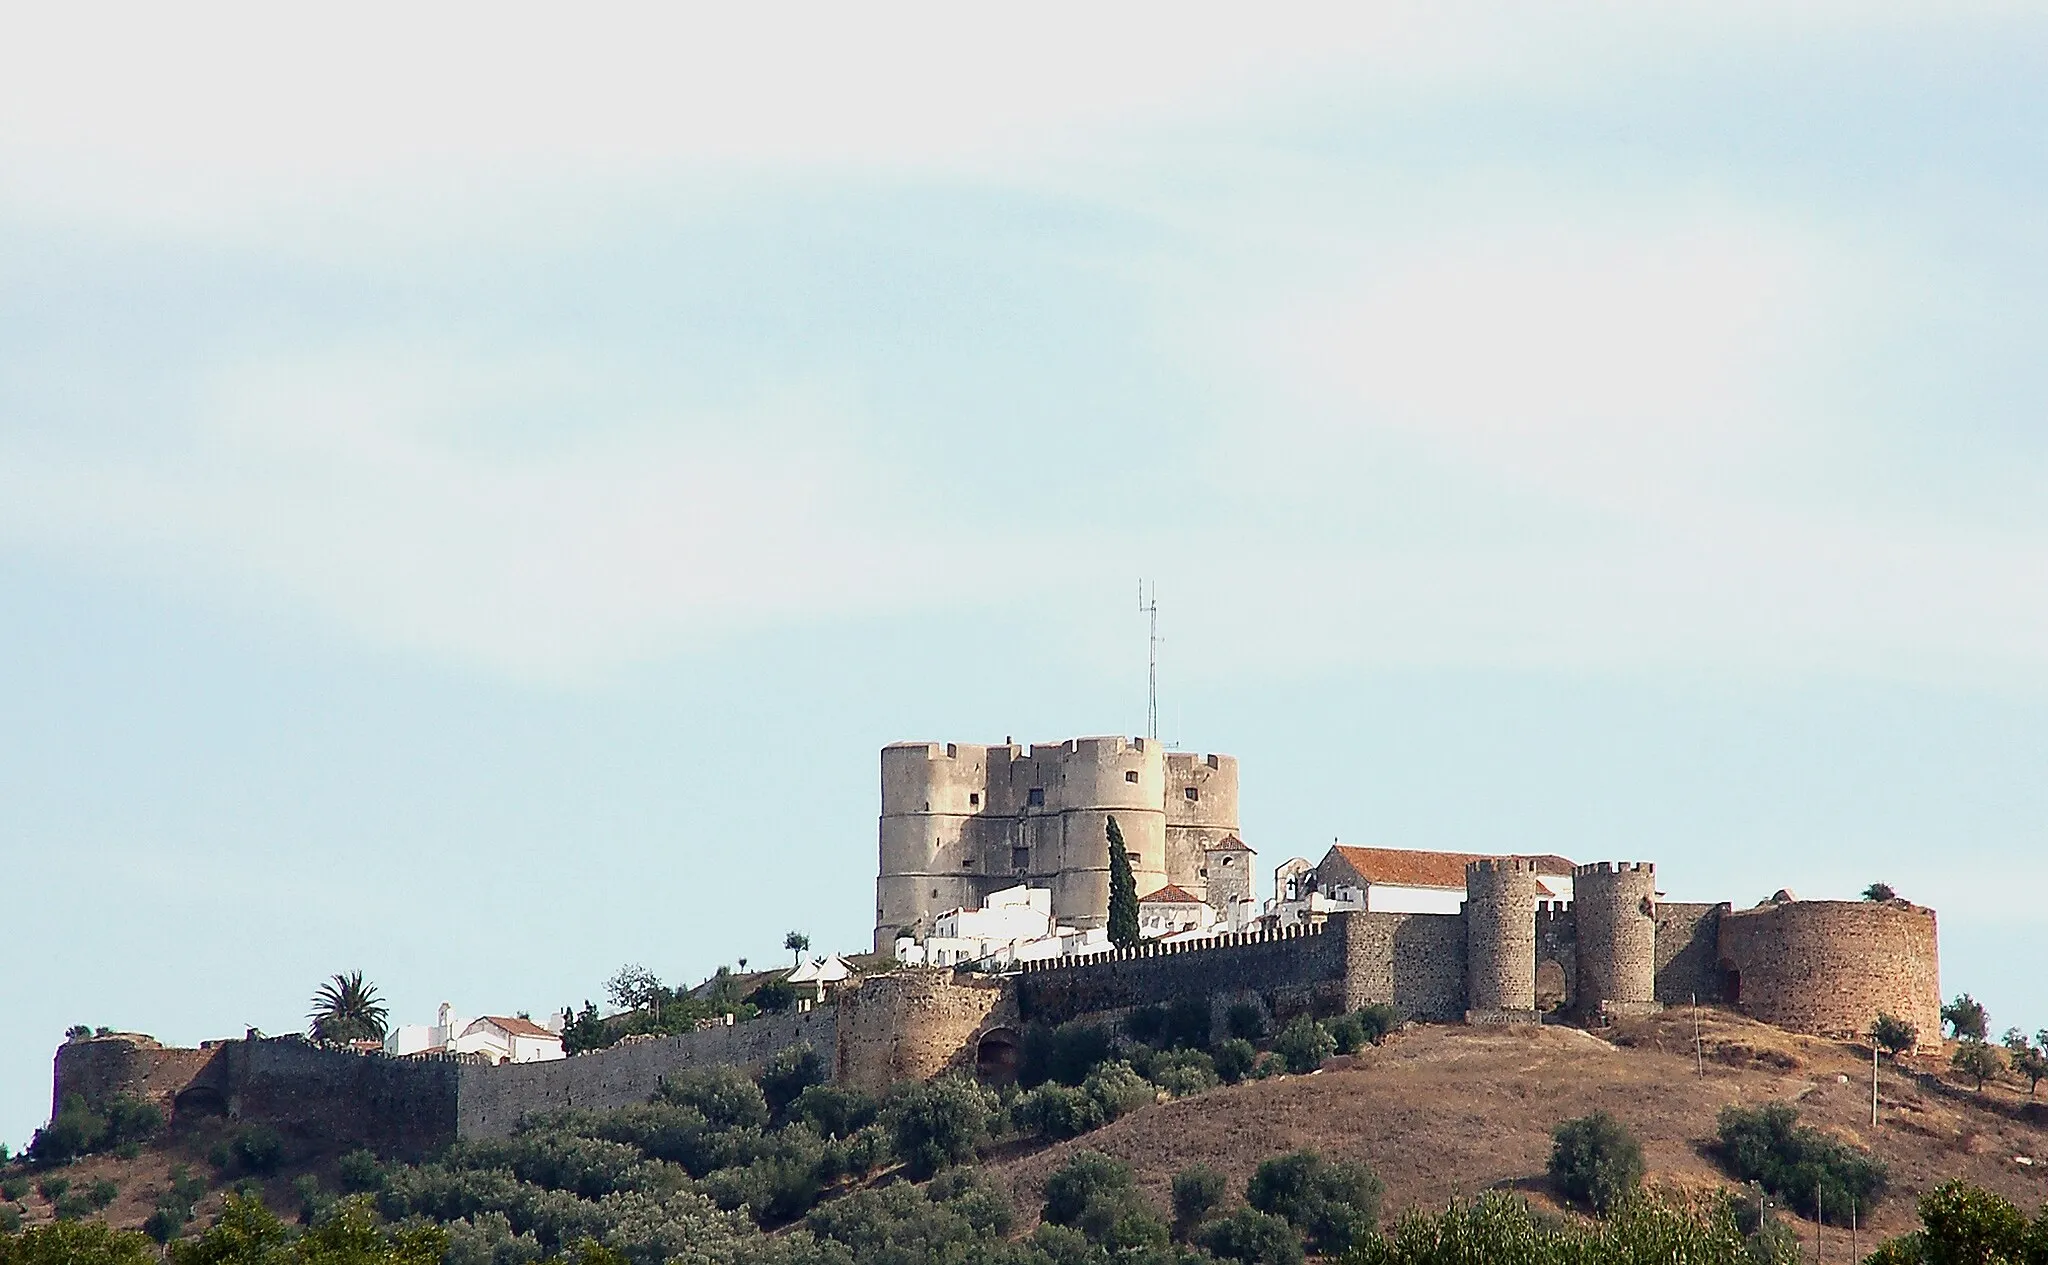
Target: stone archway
[[995, 1056], [1551, 985], [197, 1101]]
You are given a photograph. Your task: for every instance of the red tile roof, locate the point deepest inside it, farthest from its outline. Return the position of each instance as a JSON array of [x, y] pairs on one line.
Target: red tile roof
[[521, 1027], [1170, 895], [1402, 867]]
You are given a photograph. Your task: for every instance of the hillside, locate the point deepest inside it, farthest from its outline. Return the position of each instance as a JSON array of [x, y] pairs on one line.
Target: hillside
[[1440, 1112]]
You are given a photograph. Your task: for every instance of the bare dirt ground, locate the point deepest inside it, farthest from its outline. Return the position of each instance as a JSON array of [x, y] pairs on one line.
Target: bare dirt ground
[[1446, 1112]]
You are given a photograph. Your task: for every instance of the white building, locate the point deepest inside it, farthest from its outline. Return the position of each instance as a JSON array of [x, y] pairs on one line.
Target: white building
[[1390, 880], [820, 973], [1016, 925], [499, 1038], [1170, 911]]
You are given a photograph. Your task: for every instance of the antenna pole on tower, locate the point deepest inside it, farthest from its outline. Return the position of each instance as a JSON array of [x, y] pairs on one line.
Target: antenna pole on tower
[[1151, 609]]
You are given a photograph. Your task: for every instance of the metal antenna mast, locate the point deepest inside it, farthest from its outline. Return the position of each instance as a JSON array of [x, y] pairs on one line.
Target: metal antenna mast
[[1151, 609]]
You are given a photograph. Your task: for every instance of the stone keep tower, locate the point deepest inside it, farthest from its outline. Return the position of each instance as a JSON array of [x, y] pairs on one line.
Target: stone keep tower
[[960, 821], [1500, 939], [1616, 908]]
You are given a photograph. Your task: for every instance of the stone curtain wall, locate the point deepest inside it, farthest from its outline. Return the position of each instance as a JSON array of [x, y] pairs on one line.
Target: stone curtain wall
[[1301, 969], [1689, 955], [490, 1100], [914, 1024], [338, 1095], [1829, 966], [1414, 961]]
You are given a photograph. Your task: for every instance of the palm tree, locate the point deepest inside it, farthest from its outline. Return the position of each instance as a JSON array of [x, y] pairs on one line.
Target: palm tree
[[796, 942], [347, 1008]]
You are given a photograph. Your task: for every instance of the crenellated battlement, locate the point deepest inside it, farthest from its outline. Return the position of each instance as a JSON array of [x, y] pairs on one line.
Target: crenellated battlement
[[1613, 867], [1501, 865]]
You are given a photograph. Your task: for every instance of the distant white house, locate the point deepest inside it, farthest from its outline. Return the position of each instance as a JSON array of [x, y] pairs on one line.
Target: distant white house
[[499, 1038], [820, 973]]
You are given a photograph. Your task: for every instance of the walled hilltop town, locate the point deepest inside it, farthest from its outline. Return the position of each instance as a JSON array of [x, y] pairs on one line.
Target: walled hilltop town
[[990, 909]]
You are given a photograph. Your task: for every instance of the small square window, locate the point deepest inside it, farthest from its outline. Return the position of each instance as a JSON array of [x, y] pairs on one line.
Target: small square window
[[974, 799], [1020, 858], [1193, 793], [1131, 776], [1035, 797]]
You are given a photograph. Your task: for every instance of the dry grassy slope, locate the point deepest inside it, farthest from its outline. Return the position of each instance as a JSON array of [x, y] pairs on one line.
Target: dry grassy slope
[[1446, 1111]]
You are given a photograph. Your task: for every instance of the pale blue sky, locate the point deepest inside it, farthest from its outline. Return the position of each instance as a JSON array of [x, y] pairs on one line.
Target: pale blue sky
[[475, 494]]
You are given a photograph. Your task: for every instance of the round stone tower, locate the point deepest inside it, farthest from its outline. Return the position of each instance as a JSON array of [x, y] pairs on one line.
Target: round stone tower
[[1500, 939], [1615, 904], [931, 797]]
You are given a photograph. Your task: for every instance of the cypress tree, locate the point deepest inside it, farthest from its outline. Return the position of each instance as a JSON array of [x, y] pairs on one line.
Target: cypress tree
[[1123, 892]]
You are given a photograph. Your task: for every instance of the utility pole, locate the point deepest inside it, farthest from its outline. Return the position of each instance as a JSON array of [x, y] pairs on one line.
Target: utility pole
[[1873, 1079], [1151, 609]]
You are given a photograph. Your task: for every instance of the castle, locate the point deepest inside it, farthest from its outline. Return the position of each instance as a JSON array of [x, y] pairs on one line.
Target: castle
[[1507, 955], [961, 821]]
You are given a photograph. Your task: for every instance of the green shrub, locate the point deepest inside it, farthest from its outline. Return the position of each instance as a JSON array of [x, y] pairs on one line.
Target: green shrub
[[1183, 1072], [70, 1243], [773, 997], [788, 1075], [359, 1172], [1893, 1035], [1117, 1088], [1146, 1025], [1769, 1146], [1235, 1059], [52, 1188], [10, 1218], [101, 1193], [1975, 1059], [1500, 1227], [1252, 1238], [130, 1120], [1198, 1190], [1303, 1045], [1057, 1112], [834, 1111], [1065, 1054], [1347, 1032], [312, 1200], [75, 1207], [1376, 1020], [1963, 1223], [14, 1189], [727, 1097], [74, 1131], [1333, 1205], [1595, 1163], [1099, 1197], [935, 1125], [1245, 1021], [258, 1149]]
